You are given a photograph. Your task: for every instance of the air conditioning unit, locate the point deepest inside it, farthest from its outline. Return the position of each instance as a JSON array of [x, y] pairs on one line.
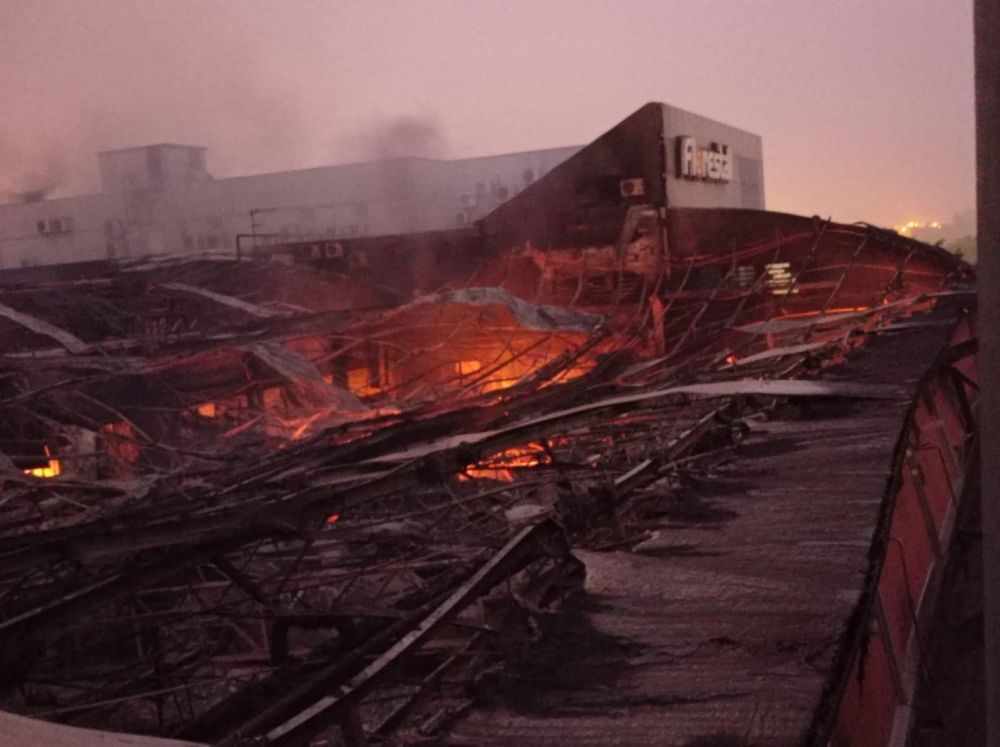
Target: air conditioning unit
[[632, 187], [54, 226]]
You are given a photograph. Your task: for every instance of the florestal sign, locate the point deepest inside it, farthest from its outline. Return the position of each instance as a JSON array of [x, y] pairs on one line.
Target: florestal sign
[[712, 164]]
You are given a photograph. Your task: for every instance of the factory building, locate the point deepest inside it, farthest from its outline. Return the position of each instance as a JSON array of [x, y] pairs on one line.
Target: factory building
[[161, 199]]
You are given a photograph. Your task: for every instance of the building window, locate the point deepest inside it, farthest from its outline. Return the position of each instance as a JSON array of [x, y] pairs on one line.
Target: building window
[[746, 275]]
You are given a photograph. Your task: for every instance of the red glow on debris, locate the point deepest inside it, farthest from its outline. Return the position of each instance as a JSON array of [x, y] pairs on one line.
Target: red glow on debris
[[815, 313], [502, 466], [731, 359], [333, 518]]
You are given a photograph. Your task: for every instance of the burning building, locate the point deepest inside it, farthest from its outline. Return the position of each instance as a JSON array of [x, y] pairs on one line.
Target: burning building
[[161, 199], [605, 466]]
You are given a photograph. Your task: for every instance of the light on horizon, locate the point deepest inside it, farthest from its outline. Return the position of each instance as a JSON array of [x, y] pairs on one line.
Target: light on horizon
[[909, 227]]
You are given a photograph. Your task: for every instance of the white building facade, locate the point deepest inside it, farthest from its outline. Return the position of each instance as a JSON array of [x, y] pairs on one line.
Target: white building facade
[[161, 199]]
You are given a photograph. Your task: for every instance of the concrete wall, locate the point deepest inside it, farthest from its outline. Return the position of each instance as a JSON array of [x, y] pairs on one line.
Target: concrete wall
[[88, 226], [585, 200]]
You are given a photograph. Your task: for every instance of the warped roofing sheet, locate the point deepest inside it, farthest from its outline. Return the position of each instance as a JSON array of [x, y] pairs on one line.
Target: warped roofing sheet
[[645, 523]]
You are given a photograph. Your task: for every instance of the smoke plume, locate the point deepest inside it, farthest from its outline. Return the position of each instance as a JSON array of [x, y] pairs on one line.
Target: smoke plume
[[414, 136], [30, 170]]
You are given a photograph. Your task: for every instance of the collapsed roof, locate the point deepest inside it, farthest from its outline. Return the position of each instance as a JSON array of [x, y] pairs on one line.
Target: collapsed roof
[[634, 483]]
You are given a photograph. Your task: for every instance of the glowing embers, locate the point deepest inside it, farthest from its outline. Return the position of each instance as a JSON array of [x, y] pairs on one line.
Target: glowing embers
[[484, 367], [52, 468], [299, 427], [827, 312], [470, 373], [360, 382], [465, 368], [503, 465]]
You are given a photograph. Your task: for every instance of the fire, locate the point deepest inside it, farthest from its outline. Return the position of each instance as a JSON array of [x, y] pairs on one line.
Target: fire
[[359, 381], [500, 466], [303, 425], [464, 368], [494, 380], [486, 378], [497, 384], [52, 469]]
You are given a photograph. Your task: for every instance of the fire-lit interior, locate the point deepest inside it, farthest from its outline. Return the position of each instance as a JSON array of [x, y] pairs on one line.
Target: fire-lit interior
[[51, 468], [504, 465]]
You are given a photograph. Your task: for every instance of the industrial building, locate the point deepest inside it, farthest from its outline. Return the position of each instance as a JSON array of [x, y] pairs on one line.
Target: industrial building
[[161, 199]]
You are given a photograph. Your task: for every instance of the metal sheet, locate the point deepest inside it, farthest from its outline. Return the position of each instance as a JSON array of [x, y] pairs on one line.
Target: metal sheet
[[225, 300], [39, 326], [528, 315]]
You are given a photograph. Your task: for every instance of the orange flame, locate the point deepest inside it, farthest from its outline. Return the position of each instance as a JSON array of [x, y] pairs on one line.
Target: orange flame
[[52, 469], [501, 466]]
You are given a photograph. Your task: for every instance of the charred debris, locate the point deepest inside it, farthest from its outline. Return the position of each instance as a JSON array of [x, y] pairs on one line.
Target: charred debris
[[348, 492]]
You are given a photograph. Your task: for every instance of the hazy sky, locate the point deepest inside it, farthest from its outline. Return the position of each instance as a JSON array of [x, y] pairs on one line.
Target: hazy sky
[[865, 106]]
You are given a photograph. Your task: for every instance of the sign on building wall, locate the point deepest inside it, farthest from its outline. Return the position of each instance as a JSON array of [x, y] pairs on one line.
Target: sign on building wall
[[711, 164]]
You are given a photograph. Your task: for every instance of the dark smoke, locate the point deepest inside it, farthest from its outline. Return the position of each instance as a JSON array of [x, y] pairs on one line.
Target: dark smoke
[[206, 86], [30, 171], [250, 121], [420, 137], [32, 195]]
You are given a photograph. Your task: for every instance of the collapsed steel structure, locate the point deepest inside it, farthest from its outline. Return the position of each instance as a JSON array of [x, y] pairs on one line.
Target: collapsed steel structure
[[692, 469]]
